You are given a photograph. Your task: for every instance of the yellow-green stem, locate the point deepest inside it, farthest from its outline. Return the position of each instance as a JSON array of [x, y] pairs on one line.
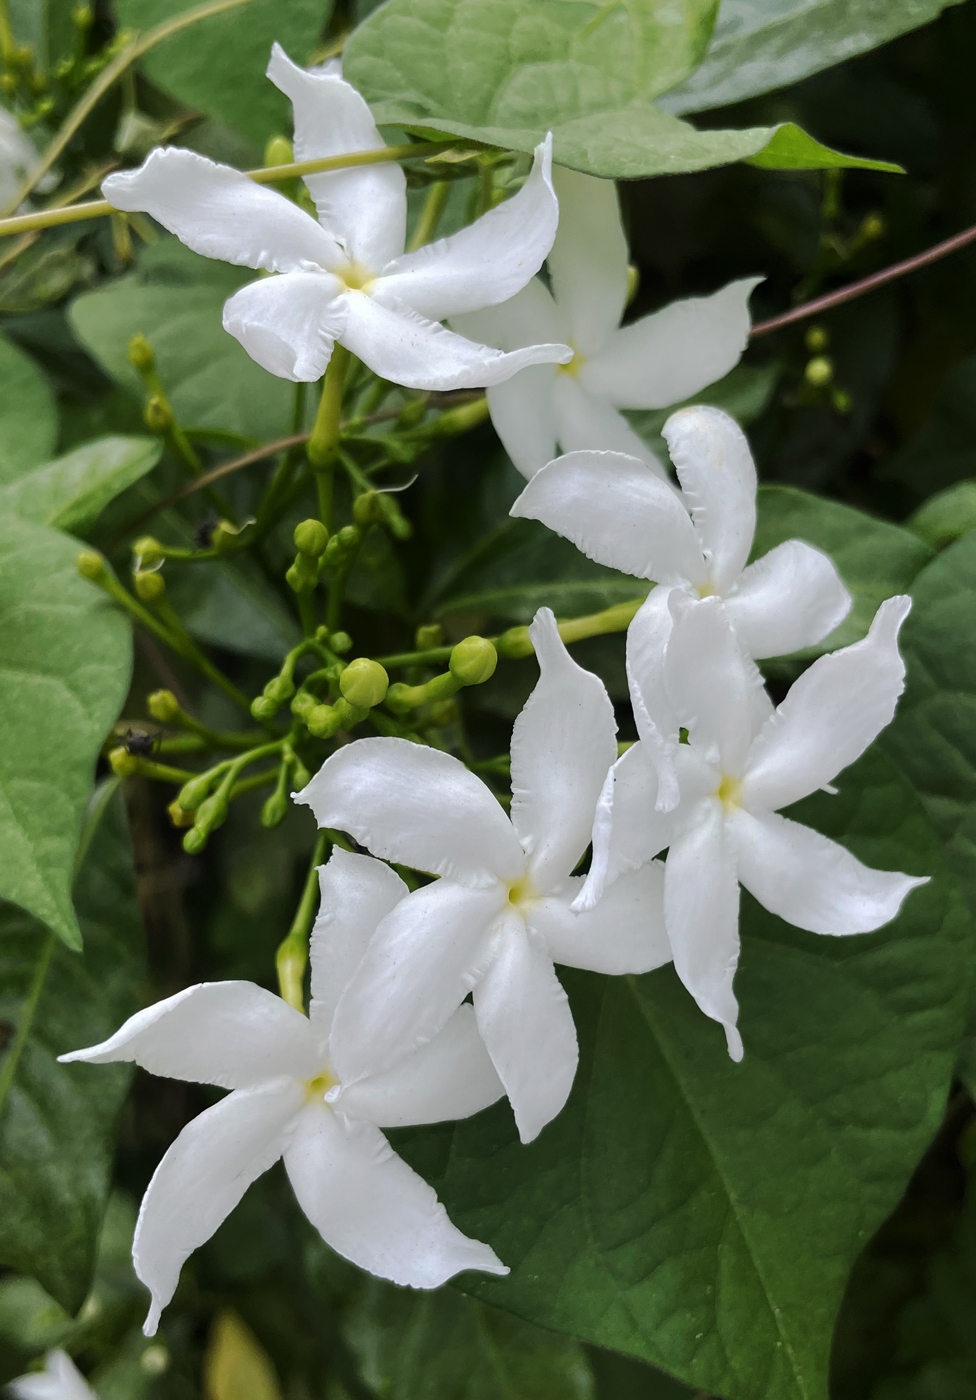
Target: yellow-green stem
[[430, 215], [292, 956]]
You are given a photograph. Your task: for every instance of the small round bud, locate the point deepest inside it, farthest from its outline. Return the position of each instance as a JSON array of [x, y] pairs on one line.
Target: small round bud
[[322, 721], [91, 565], [274, 811], [340, 643], [150, 588], [303, 704], [163, 706], [819, 371], [148, 551], [300, 775], [280, 689], [263, 708], [817, 339], [311, 537], [279, 151], [178, 815], [158, 415], [349, 537], [322, 635], [141, 354], [473, 661], [366, 509], [429, 636], [364, 683], [842, 400], [123, 763], [154, 1360], [873, 227], [444, 712], [295, 578]]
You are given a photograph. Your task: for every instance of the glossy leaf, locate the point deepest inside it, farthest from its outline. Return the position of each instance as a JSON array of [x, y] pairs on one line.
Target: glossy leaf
[[704, 1215], [67, 655], [72, 491], [57, 1122], [28, 420]]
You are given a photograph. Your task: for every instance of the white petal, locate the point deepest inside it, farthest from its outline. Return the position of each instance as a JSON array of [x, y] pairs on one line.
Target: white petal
[[220, 213], [527, 318], [701, 910], [718, 480], [371, 1208], [588, 261], [365, 207], [830, 715], [487, 262], [202, 1178], [587, 421], [522, 416], [811, 881], [563, 745], [60, 1380], [709, 681], [397, 344], [617, 512], [624, 933], [628, 830], [673, 353], [791, 598], [421, 963], [418, 806], [233, 1034], [525, 1021], [289, 324], [357, 893], [450, 1077], [647, 643]]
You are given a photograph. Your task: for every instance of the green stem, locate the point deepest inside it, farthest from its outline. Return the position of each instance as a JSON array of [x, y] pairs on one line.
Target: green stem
[[430, 215], [24, 1022], [291, 958], [323, 445]]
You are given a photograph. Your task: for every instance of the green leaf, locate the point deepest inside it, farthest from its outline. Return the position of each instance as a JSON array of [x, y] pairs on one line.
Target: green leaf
[[71, 492], [418, 1346], [229, 603], [58, 1121], [175, 299], [509, 71], [744, 393], [946, 515], [943, 452], [758, 47], [875, 558], [216, 66], [28, 420], [66, 658], [933, 737], [704, 1215]]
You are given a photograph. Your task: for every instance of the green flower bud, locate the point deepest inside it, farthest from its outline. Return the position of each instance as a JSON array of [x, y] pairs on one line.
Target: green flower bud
[[275, 810], [211, 813], [300, 775], [193, 792], [148, 551], [322, 635], [195, 841], [873, 227], [473, 661], [141, 354], [817, 339], [91, 565], [364, 683], [633, 282], [400, 697], [262, 708], [819, 372], [150, 587], [340, 643], [429, 636], [178, 815], [302, 704], [393, 517], [322, 721], [366, 509], [349, 537], [303, 575], [311, 537], [123, 762], [158, 415], [349, 714], [279, 151], [163, 706]]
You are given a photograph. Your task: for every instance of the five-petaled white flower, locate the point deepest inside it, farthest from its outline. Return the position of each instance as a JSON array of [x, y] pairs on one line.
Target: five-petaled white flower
[[288, 1101], [621, 514], [500, 916], [60, 1380], [345, 277], [742, 762], [652, 363]]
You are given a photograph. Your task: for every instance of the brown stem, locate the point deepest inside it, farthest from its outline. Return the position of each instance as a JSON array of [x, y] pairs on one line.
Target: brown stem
[[866, 284]]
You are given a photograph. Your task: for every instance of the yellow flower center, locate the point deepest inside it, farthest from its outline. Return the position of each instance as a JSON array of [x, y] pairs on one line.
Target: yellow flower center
[[318, 1087], [729, 791], [575, 364], [521, 894], [706, 590], [356, 277]]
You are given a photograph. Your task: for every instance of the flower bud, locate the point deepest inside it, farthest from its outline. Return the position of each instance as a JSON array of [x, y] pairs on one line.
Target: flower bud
[[633, 282], [349, 537], [150, 587], [429, 636], [873, 227], [819, 372], [817, 339], [211, 813], [473, 661], [366, 509], [300, 775], [158, 415], [148, 551], [340, 642], [91, 565], [322, 721], [195, 841], [141, 354], [192, 793], [163, 706], [364, 683], [303, 575], [280, 688], [123, 762], [275, 810], [302, 704], [178, 815], [262, 708], [349, 714], [311, 537], [279, 151]]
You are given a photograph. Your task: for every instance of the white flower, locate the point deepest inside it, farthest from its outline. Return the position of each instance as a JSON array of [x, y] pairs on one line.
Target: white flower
[[17, 159], [621, 514], [288, 1101], [346, 277], [654, 362], [60, 1380], [743, 761], [500, 916]]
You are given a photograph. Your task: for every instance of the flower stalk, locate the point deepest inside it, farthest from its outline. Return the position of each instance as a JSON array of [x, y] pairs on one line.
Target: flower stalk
[[291, 958]]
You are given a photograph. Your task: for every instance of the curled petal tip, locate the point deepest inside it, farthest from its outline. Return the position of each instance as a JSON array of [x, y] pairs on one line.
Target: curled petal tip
[[734, 1042]]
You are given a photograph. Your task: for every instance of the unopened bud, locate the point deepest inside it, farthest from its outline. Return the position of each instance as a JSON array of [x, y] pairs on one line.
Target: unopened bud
[[91, 565], [302, 576], [341, 642], [473, 661], [211, 813], [83, 16], [311, 537], [280, 689], [394, 519], [192, 793], [364, 683], [163, 706], [349, 715], [303, 704], [633, 282], [817, 339], [158, 415], [873, 227], [195, 841], [151, 587], [123, 762], [262, 708], [279, 151], [350, 537], [819, 371], [148, 551], [366, 509], [178, 815], [275, 810], [429, 636], [322, 721], [141, 354], [300, 775]]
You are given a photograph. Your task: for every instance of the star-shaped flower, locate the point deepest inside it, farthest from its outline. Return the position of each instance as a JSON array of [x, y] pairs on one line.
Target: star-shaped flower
[[500, 916], [289, 1101], [621, 514], [742, 762], [60, 1380], [345, 277], [652, 363]]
